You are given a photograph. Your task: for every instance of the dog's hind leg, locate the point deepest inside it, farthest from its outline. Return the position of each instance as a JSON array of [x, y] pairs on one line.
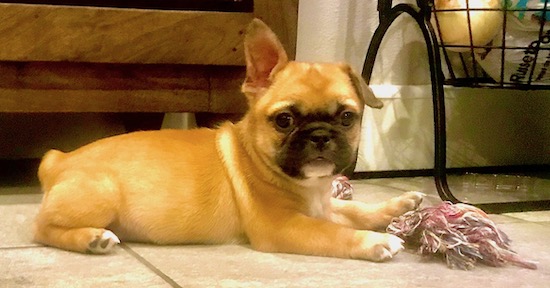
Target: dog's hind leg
[[84, 240], [75, 212]]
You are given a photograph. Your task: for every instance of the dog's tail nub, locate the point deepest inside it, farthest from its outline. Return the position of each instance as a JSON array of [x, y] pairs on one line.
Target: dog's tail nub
[[48, 167]]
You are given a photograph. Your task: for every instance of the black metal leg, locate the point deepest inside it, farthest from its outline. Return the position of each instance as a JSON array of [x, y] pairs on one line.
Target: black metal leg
[[440, 127], [387, 16]]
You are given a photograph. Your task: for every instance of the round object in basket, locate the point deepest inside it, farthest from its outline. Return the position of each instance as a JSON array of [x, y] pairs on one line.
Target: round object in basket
[[464, 16]]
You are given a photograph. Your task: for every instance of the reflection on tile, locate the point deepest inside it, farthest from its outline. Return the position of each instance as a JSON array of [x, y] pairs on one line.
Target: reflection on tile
[[49, 267], [16, 223], [18, 211], [504, 219], [532, 216], [378, 190], [397, 185], [483, 188]]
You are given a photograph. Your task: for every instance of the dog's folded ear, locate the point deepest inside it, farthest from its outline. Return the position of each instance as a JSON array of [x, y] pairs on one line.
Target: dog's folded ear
[[264, 56], [363, 90]]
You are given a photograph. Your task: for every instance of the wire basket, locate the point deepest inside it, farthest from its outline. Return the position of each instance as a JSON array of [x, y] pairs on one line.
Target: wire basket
[[494, 43]]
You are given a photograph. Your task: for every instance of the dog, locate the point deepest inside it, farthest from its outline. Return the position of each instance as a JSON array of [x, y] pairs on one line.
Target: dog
[[265, 180]]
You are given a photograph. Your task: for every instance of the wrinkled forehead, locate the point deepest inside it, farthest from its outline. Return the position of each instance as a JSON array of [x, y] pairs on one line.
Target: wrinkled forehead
[[313, 87]]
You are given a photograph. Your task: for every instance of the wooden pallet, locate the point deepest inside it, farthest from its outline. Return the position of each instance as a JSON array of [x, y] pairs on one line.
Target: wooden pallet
[[95, 59]]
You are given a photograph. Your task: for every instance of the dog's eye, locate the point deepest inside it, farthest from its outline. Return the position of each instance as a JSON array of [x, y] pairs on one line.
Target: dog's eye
[[284, 120], [347, 118]]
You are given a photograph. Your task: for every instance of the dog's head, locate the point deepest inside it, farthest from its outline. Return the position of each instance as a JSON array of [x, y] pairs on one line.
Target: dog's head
[[304, 118]]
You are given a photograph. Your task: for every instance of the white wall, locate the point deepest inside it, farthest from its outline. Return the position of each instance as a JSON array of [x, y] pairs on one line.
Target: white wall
[[485, 127]]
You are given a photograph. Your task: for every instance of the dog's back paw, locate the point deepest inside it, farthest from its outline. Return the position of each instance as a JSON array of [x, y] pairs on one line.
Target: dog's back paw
[[103, 243]]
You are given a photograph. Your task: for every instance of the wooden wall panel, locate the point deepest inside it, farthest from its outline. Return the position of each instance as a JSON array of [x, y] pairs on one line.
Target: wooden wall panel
[[282, 17], [225, 90]]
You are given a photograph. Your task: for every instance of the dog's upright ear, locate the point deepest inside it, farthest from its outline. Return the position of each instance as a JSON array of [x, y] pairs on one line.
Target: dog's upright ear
[[363, 90], [265, 56]]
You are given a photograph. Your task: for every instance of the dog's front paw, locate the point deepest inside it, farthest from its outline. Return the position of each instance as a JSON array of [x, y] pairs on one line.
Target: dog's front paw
[[406, 202], [103, 243], [378, 247]]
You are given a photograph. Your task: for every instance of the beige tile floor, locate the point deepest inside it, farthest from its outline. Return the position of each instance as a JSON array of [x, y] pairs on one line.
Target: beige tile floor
[[26, 264]]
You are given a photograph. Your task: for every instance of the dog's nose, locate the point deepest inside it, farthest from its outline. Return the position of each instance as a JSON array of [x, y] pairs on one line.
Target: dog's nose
[[320, 138]]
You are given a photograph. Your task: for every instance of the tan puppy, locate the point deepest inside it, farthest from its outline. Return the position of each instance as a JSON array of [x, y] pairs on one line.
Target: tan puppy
[[265, 180]]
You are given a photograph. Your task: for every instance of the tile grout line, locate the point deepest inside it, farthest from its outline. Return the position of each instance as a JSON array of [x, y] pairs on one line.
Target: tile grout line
[[150, 266], [20, 247]]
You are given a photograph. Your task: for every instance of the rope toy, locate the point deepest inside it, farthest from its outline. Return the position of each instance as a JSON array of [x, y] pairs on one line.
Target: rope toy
[[341, 188], [462, 233]]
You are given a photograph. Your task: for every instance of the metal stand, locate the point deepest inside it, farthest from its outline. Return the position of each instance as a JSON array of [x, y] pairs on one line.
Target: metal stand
[[421, 14]]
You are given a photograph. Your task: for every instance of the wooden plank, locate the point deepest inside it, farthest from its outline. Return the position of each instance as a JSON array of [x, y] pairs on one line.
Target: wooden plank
[[39, 100], [101, 87], [102, 76], [111, 35], [201, 5], [282, 17], [225, 90]]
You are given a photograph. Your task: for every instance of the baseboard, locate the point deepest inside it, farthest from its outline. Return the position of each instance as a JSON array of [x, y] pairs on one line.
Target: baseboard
[[541, 170]]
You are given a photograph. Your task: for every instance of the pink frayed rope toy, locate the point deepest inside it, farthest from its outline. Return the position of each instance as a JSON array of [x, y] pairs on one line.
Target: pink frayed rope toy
[[464, 234], [341, 188]]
